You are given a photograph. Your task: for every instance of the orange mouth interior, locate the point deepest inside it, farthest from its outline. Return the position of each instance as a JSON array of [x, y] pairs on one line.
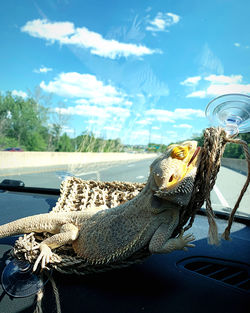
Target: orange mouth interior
[[173, 180]]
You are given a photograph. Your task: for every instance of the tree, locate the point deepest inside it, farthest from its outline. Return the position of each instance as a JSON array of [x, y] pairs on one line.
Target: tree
[[232, 150], [25, 123], [35, 142], [20, 120], [65, 144], [4, 115]]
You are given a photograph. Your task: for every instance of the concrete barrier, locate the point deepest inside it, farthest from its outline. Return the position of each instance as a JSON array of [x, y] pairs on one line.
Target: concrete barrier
[[235, 164], [32, 159]]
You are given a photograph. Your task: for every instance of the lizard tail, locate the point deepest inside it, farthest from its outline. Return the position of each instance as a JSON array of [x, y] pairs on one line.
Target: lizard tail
[[24, 225]]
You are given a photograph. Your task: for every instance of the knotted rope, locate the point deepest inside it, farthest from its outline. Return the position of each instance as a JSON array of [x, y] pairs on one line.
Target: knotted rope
[[215, 140]]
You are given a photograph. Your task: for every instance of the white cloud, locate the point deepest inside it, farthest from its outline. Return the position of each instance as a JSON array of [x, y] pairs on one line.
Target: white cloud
[[51, 31], [107, 100], [162, 21], [128, 103], [144, 122], [43, 69], [156, 138], [66, 33], [93, 122], [68, 130], [161, 115], [82, 101], [221, 84], [197, 94], [111, 128], [73, 84], [217, 90], [169, 136], [94, 111], [188, 113], [139, 133], [19, 93], [86, 87], [83, 110], [123, 112], [222, 79], [172, 116], [183, 126], [94, 99], [239, 45], [175, 18], [191, 81]]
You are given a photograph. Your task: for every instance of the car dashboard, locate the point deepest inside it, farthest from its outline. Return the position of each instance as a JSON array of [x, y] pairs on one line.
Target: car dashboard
[[204, 279]]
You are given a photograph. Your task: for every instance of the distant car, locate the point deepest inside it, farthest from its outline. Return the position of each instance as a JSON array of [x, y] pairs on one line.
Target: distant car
[[14, 149]]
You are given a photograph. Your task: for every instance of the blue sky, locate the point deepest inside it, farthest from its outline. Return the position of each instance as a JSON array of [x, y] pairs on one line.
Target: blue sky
[[135, 70]]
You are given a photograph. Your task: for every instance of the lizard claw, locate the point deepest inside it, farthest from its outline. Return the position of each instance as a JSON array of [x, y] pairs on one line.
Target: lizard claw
[[44, 257], [185, 240]]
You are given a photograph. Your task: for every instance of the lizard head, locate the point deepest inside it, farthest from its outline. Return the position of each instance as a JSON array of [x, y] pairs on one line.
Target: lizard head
[[174, 172]]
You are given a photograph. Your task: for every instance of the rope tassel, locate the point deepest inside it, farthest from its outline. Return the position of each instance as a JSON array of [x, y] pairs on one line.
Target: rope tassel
[[226, 234]]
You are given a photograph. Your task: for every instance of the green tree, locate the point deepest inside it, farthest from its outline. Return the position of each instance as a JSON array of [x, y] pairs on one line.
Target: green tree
[[4, 115], [35, 142], [87, 142], [65, 144], [232, 150], [23, 118]]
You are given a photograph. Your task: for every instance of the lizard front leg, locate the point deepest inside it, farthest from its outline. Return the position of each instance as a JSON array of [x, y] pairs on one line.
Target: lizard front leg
[[160, 242], [68, 233]]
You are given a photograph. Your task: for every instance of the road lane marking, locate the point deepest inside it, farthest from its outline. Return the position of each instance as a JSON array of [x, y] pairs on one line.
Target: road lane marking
[[220, 196], [140, 177], [97, 173]]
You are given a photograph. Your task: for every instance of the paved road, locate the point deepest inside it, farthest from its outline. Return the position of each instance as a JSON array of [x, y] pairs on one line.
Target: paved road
[[224, 195]]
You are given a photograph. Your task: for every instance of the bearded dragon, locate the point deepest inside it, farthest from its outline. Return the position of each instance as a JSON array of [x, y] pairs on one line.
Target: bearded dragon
[[103, 236]]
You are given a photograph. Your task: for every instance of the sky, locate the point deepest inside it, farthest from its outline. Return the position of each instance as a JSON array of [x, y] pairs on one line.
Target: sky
[[142, 71]]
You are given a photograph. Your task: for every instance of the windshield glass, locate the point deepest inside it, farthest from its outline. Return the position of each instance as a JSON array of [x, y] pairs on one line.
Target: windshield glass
[[97, 89]]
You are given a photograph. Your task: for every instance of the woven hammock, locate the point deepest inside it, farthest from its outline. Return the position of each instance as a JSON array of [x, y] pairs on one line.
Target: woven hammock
[[78, 195]]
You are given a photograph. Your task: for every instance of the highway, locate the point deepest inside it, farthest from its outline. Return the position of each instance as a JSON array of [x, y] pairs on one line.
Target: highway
[[223, 196]]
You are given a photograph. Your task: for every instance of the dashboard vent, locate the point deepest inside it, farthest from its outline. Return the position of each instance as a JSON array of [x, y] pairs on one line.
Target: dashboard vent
[[230, 273]]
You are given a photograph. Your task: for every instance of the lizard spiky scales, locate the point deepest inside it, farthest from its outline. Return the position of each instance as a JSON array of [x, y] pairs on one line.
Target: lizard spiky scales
[[105, 224]]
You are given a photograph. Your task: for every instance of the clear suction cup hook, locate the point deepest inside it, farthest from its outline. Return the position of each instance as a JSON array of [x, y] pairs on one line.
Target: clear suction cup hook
[[230, 111], [19, 280]]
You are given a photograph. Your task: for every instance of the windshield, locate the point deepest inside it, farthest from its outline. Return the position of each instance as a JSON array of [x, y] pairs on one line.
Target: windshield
[[97, 89]]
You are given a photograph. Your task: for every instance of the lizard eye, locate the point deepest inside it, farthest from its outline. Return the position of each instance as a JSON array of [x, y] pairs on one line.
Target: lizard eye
[[179, 152], [158, 180]]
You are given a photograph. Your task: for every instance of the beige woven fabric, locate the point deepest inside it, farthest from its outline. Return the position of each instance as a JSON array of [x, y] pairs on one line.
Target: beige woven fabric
[[78, 195]]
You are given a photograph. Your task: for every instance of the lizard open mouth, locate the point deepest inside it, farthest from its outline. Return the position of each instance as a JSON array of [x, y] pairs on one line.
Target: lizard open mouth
[[194, 156]]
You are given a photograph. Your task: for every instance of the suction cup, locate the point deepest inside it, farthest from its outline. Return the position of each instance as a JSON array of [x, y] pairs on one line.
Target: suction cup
[[231, 111], [19, 280]]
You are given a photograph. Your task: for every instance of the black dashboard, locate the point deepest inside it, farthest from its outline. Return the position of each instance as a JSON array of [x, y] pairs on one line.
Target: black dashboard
[[204, 279]]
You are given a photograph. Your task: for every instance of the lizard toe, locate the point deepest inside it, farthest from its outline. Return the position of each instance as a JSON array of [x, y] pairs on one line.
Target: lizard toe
[[44, 257]]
